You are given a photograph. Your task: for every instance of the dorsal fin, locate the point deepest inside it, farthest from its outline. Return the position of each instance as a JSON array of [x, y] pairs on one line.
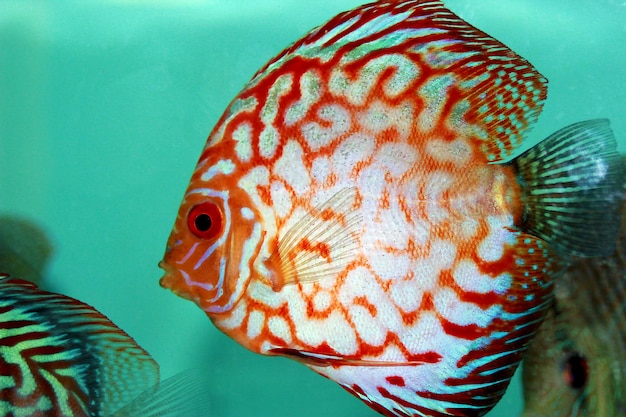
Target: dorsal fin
[[493, 95]]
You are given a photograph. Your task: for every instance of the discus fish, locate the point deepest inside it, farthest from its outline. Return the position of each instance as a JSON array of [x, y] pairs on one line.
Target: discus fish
[[576, 364], [62, 358], [24, 248], [362, 207]]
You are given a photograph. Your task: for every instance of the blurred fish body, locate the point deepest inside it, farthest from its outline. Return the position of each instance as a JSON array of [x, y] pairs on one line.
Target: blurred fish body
[[24, 248], [576, 364], [61, 357]]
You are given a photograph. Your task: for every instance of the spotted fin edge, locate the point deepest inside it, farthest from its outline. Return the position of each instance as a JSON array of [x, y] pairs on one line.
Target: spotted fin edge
[[572, 189]]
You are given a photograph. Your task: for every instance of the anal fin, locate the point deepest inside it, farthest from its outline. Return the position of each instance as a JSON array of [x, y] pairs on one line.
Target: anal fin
[[321, 360]]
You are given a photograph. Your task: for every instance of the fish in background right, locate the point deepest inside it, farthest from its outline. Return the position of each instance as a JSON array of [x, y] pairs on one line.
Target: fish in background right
[[576, 364]]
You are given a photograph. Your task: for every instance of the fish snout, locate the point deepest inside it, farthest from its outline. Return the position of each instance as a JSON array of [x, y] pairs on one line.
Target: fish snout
[[173, 280]]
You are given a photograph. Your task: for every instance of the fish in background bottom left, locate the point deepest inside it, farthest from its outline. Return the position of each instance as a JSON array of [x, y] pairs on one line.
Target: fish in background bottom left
[[61, 357]]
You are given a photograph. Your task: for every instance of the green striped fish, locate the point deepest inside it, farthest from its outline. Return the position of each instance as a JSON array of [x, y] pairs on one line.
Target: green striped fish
[[61, 357]]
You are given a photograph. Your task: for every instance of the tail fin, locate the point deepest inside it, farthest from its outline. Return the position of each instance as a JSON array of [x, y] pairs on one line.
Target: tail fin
[[183, 394], [572, 189]]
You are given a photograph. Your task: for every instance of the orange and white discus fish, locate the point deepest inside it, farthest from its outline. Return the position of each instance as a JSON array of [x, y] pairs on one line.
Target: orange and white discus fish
[[362, 207]]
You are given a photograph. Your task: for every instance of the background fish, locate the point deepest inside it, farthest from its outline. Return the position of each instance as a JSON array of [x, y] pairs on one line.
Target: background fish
[[24, 248], [61, 357], [576, 364], [356, 208]]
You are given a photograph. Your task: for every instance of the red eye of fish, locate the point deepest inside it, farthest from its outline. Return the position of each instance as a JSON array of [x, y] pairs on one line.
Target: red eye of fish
[[205, 220], [575, 371]]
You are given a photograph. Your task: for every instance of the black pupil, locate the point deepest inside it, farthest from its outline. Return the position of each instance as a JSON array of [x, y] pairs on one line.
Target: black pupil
[[203, 222], [576, 367]]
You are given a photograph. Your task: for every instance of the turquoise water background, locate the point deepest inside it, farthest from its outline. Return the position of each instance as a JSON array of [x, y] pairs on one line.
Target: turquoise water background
[[106, 105]]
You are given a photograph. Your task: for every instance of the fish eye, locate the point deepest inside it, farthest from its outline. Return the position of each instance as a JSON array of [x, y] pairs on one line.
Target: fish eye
[[205, 220], [575, 371]]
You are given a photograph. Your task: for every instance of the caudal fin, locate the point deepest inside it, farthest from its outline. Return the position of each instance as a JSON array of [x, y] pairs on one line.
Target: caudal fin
[[572, 189]]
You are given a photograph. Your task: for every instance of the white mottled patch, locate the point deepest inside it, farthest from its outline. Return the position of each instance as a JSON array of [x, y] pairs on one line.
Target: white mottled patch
[[458, 151], [441, 257], [386, 239], [310, 94], [434, 93], [371, 183], [318, 136], [338, 116], [256, 176], [269, 137], [268, 141], [462, 313], [396, 158], [281, 86], [376, 117], [281, 199], [355, 92], [355, 149], [243, 136], [426, 335], [321, 301], [361, 283], [290, 167], [335, 330], [310, 332], [443, 253], [388, 266], [491, 248], [392, 354], [246, 213], [468, 278], [404, 76], [369, 328], [340, 335], [248, 250], [235, 317], [406, 295], [262, 292], [436, 185], [320, 169], [379, 117], [223, 166], [280, 328], [237, 107], [467, 228], [256, 322]]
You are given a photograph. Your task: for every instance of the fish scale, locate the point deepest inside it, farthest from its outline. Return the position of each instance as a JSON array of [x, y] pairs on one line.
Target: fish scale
[[361, 218]]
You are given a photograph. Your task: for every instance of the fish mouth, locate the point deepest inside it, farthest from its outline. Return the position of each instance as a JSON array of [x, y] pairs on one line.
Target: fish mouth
[[173, 280], [167, 279]]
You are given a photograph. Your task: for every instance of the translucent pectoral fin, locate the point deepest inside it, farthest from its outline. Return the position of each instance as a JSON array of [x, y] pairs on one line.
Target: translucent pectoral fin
[[321, 243]]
